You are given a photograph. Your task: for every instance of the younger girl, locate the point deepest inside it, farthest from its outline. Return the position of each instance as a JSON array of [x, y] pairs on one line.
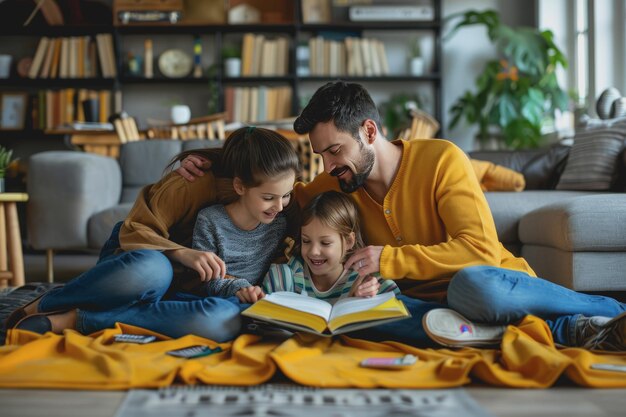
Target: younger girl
[[330, 232], [137, 280]]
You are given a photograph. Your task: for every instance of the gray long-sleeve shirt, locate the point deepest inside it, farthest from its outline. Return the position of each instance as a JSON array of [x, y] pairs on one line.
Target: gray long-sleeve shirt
[[246, 253]]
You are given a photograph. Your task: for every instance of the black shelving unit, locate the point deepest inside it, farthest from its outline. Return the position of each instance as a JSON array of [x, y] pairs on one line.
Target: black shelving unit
[[221, 32]]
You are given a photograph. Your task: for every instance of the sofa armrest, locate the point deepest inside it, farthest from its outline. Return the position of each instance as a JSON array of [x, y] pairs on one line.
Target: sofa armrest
[[65, 189]]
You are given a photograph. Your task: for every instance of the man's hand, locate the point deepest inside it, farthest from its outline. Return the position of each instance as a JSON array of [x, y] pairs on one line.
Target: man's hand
[[366, 261], [250, 295], [364, 287], [193, 166], [207, 264]]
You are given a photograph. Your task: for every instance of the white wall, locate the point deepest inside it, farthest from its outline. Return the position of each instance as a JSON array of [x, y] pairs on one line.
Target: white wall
[[465, 54]]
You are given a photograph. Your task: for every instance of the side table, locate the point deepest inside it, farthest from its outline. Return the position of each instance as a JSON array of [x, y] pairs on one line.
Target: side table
[[11, 257]]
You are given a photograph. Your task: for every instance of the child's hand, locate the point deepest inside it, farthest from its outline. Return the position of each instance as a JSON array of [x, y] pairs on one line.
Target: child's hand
[[207, 264], [365, 287], [250, 295], [193, 166]]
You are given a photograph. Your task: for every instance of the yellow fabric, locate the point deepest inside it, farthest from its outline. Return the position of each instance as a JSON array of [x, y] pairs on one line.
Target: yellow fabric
[[164, 213], [527, 358], [494, 177], [437, 209], [72, 360]]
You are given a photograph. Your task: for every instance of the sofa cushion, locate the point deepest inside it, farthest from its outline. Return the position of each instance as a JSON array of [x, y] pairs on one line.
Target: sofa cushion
[[580, 271], [586, 223], [509, 207], [100, 224], [592, 160], [143, 163]]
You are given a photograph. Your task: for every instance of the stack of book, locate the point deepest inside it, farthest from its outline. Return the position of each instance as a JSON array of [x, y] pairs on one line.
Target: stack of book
[[74, 57], [61, 108], [257, 104], [352, 56], [261, 56]]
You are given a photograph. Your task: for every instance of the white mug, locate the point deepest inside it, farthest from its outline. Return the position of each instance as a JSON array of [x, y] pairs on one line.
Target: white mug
[[181, 114]]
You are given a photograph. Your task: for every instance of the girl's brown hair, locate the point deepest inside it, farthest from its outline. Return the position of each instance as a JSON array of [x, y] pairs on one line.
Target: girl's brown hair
[[252, 154], [337, 211]]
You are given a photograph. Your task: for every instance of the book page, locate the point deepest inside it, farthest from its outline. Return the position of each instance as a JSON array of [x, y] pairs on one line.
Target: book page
[[301, 302], [357, 304]]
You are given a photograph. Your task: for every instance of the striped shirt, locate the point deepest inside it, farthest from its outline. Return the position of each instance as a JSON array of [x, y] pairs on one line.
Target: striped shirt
[[294, 276]]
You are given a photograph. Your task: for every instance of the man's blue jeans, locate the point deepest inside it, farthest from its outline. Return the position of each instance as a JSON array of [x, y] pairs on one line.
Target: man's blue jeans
[[130, 287], [500, 296]]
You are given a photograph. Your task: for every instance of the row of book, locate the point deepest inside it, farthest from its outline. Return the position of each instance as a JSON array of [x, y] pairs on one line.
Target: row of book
[[62, 108], [257, 104], [352, 56], [263, 56], [74, 57]]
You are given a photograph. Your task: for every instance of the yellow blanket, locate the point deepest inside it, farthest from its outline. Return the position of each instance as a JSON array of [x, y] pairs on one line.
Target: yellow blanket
[[527, 358]]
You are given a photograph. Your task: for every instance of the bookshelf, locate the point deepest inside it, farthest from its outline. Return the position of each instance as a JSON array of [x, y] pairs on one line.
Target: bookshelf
[[215, 38]]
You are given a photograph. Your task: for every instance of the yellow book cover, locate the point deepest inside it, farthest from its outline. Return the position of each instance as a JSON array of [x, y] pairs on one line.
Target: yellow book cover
[[308, 314]]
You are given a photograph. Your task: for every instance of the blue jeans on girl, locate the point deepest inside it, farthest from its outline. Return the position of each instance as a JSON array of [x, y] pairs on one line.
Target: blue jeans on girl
[[132, 288], [501, 296]]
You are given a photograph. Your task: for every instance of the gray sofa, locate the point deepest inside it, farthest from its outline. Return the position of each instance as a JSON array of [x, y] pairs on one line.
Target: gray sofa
[[574, 238], [76, 197]]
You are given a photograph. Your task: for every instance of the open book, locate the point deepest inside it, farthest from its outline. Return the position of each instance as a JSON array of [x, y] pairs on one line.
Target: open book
[[299, 312]]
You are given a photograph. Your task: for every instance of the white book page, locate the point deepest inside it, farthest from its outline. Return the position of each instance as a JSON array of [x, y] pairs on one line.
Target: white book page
[[355, 304], [301, 303]]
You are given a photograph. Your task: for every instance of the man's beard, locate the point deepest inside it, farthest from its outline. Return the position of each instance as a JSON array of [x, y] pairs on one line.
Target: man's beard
[[358, 178]]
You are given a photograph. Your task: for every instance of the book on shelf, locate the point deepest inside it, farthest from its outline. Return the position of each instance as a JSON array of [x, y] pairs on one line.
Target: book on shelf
[[299, 312], [91, 126]]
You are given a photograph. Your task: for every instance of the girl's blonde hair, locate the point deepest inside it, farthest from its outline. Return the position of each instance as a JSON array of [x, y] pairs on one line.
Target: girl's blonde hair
[[337, 211]]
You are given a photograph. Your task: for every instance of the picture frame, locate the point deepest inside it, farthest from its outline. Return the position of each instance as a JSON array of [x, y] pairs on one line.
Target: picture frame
[[13, 110]]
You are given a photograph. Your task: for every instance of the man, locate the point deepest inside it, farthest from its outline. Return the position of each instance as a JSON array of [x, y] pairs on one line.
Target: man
[[428, 226]]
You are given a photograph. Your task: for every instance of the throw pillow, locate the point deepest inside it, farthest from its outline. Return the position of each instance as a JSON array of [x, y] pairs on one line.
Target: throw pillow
[[592, 160]]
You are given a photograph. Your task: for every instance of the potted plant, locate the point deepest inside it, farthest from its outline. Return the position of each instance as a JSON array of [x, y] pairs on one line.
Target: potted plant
[[416, 60], [5, 161], [396, 112], [516, 94], [231, 56]]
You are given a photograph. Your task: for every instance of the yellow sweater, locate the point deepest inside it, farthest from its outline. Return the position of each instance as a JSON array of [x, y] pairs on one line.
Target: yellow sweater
[[434, 220]]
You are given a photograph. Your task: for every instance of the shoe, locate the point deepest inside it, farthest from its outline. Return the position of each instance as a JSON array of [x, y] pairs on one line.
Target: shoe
[[449, 328], [602, 333], [36, 323], [20, 313]]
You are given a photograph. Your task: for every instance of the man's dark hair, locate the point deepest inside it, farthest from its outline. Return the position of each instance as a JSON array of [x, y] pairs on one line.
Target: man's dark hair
[[346, 104]]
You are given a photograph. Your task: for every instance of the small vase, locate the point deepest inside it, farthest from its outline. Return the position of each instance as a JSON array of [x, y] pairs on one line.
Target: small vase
[[1, 185], [416, 66], [181, 114], [232, 67]]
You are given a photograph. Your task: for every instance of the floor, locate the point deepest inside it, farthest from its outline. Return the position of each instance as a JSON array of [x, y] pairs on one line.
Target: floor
[[562, 401]]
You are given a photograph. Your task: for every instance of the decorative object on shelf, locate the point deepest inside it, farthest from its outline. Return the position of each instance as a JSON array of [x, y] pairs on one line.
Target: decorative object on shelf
[[133, 64], [231, 55], [5, 161], [197, 57], [13, 107], [180, 114], [147, 11], [518, 93], [148, 58], [391, 12], [23, 66], [611, 104], [175, 63], [316, 11], [91, 109], [5, 66], [244, 13], [416, 60]]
